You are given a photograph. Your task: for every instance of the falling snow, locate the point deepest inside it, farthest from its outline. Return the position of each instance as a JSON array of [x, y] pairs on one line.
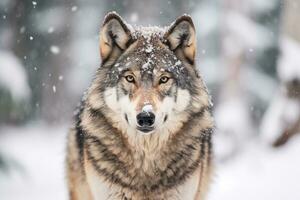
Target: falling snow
[[54, 49], [54, 89], [74, 8], [50, 29], [22, 29]]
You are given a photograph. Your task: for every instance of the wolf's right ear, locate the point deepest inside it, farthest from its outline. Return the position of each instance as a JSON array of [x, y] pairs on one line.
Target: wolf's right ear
[[115, 37]]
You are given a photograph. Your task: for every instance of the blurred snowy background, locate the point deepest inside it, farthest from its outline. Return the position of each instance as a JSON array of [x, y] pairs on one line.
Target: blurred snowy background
[[248, 53]]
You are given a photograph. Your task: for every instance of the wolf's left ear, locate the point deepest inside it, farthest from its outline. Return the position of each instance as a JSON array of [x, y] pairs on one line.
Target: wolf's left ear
[[181, 38], [115, 36]]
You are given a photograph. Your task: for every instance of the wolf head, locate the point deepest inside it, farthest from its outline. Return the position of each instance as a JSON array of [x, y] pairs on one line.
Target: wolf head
[[148, 82]]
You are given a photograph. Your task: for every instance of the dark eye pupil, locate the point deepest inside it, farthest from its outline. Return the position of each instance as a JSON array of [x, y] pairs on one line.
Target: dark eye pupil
[[129, 78], [164, 79]]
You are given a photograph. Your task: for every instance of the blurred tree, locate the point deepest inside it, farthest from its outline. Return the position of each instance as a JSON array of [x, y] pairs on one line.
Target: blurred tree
[[40, 31], [15, 94], [54, 32], [269, 18], [288, 71], [250, 49]]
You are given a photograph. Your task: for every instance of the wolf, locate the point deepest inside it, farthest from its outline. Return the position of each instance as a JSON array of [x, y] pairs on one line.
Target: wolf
[[144, 127]]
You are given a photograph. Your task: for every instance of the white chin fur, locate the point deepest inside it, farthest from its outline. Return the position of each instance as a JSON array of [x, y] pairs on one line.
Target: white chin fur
[[145, 134]]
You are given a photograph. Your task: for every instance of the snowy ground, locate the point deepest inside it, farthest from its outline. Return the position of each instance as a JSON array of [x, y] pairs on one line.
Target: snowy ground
[[40, 153], [258, 173]]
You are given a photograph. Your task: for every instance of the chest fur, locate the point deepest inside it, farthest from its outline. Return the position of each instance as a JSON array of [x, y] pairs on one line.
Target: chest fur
[[119, 172], [102, 189], [138, 171]]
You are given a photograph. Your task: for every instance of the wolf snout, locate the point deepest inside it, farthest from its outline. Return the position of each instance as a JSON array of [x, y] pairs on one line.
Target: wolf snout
[[145, 121]]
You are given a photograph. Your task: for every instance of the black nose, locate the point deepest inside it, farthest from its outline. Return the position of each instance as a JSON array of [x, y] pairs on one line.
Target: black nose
[[145, 119]]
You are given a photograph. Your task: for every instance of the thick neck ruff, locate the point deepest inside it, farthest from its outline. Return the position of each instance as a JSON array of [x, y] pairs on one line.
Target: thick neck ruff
[[137, 169]]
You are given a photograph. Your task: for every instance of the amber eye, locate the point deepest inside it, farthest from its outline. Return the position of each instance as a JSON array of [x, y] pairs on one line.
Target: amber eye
[[129, 78], [163, 79]]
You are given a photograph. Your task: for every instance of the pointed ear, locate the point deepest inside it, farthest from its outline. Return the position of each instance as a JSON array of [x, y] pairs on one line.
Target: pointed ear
[[181, 38], [115, 36]]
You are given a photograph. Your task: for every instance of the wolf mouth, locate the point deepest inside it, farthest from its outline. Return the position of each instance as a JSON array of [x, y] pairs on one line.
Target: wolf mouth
[[145, 129]]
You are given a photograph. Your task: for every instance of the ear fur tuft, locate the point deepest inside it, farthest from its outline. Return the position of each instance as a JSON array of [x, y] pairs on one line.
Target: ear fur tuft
[[181, 38], [114, 36]]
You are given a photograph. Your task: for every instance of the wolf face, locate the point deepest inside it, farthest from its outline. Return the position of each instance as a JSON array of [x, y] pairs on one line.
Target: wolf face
[[148, 79], [147, 87]]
